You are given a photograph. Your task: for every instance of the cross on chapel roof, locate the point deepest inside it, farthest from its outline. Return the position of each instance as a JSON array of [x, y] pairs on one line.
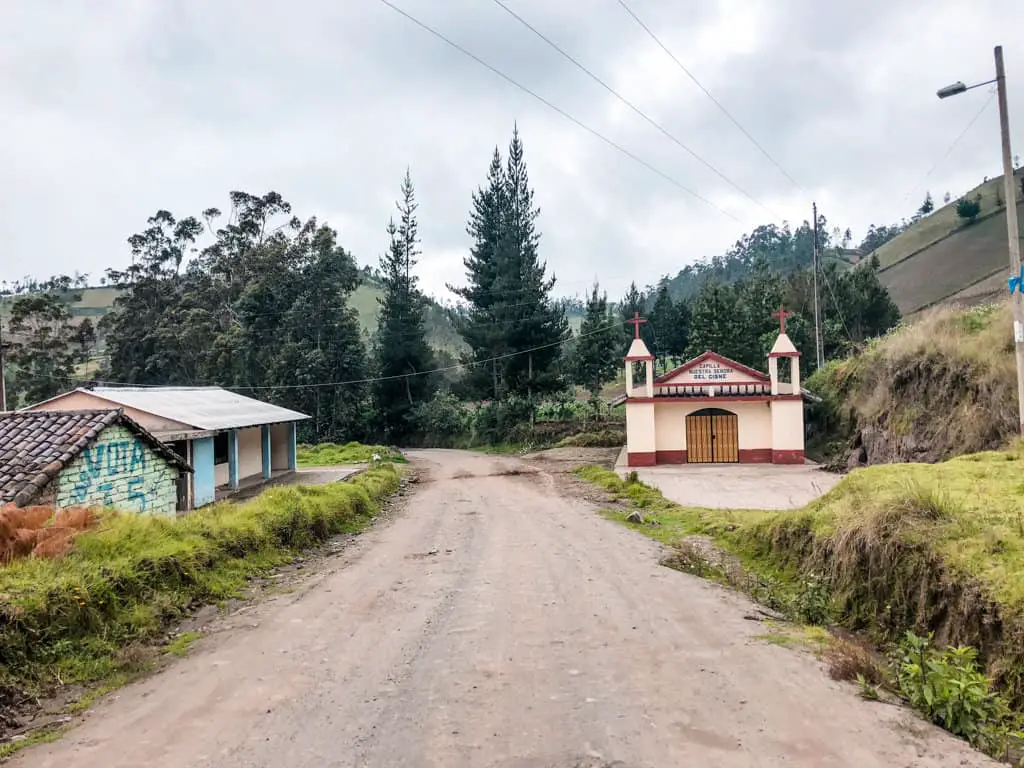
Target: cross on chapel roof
[[635, 322], [781, 316]]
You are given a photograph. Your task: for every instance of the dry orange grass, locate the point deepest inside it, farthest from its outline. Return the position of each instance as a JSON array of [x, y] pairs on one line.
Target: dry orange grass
[[40, 531], [849, 659]]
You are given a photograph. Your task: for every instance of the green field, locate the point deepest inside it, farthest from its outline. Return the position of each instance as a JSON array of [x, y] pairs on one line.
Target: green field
[[941, 260], [971, 255]]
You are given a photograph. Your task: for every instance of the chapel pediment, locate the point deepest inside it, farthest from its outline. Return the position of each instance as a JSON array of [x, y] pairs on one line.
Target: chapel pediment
[[712, 368]]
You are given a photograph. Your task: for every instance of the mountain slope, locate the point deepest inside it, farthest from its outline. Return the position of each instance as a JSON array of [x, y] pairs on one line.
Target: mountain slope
[[941, 260]]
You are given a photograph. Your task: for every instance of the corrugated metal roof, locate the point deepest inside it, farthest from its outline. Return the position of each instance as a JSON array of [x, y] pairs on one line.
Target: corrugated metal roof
[[199, 407]]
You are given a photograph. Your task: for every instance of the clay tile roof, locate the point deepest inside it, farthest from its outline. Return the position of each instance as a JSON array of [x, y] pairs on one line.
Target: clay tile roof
[[36, 445]]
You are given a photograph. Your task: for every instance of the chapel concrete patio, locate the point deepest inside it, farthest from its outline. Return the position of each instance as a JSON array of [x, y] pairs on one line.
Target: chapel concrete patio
[[736, 486]]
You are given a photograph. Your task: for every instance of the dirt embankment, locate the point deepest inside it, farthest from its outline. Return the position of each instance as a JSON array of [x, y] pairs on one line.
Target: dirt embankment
[[942, 387]]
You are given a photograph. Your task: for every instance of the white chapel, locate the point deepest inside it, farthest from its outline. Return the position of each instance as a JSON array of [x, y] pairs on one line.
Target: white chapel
[[715, 410]]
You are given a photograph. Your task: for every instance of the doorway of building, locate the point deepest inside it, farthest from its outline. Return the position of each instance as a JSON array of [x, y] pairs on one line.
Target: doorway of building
[[712, 437]]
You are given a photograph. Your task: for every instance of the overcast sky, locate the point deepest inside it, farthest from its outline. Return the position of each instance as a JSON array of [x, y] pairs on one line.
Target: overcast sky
[[116, 109]]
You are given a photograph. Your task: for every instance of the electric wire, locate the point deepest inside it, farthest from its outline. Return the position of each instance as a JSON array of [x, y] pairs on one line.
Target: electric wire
[[707, 93], [632, 106], [364, 380], [614, 145], [952, 146]]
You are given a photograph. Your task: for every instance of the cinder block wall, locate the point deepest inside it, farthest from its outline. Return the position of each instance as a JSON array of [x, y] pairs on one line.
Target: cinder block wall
[[119, 470]]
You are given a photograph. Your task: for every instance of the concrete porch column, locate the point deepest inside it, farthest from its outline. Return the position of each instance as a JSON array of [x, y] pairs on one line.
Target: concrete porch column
[[292, 446], [233, 459], [265, 435]]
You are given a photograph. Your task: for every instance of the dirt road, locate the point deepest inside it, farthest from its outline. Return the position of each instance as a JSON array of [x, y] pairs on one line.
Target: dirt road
[[496, 622]]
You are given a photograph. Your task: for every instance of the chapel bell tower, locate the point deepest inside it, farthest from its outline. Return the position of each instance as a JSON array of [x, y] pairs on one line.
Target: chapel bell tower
[[638, 353], [641, 439], [787, 402]]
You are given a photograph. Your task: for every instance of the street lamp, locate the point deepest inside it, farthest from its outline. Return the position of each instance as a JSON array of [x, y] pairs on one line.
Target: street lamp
[[1012, 231]]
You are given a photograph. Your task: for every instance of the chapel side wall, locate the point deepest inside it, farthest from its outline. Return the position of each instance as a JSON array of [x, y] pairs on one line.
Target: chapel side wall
[[640, 433], [120, 470], [670, 426], [755, 423], [788, 432]]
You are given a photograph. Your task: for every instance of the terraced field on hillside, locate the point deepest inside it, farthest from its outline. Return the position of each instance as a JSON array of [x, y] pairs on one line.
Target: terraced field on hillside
[[969, 266], [940, 223]]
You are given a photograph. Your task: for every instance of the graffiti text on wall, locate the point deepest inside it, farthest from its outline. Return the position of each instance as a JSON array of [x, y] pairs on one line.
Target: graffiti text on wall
[[109, 463]]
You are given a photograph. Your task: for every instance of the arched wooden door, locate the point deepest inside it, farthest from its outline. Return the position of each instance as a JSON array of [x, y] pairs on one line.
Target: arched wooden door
[[712, 437]]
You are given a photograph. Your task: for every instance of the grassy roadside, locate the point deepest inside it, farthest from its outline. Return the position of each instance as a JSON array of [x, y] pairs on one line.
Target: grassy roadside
[[925, 560], [92, 617], [331, 454]]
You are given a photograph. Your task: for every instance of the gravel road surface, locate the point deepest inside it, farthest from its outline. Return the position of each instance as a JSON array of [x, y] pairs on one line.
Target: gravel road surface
[[496, 621]]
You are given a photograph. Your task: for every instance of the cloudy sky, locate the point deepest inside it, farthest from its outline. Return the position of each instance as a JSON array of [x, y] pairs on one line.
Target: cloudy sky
[[113, 110]]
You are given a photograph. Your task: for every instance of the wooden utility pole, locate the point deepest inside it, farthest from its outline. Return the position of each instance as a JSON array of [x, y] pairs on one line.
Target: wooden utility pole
[[1012, 230], [817, 304]]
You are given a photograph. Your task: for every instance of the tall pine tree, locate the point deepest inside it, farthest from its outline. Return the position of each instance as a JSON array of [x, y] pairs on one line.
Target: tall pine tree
[[597, 354], [537, 323], [480, 325], [634, 302], [510, 312], [718, 323], [664, 326], [402, 351]]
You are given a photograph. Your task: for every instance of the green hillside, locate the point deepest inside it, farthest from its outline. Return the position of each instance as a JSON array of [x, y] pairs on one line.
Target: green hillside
[[97, 301], [941, 260]]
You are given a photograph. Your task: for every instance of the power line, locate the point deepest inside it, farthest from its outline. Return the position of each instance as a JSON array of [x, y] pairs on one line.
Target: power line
[[630, 104], [367, 380], [707, 93], [557, 109], [937, 163]]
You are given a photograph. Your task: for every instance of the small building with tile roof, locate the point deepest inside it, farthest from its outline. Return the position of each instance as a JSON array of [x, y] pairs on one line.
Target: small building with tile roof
[[713, 410], [231, 441], [86, 458]]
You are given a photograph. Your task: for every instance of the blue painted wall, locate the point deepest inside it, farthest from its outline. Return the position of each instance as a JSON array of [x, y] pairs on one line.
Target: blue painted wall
[[265, 435], [203, 482], [233, 458], [293, 433]]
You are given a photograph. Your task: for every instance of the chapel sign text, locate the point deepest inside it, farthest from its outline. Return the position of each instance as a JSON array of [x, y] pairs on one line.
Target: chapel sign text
[[710, 371]]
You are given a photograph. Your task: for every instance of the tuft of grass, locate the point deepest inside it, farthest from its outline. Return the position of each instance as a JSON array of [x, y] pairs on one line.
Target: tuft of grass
[[797, 636], [72, 620], [41, 736], [850, 660], [331, 454], [179, 646]]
